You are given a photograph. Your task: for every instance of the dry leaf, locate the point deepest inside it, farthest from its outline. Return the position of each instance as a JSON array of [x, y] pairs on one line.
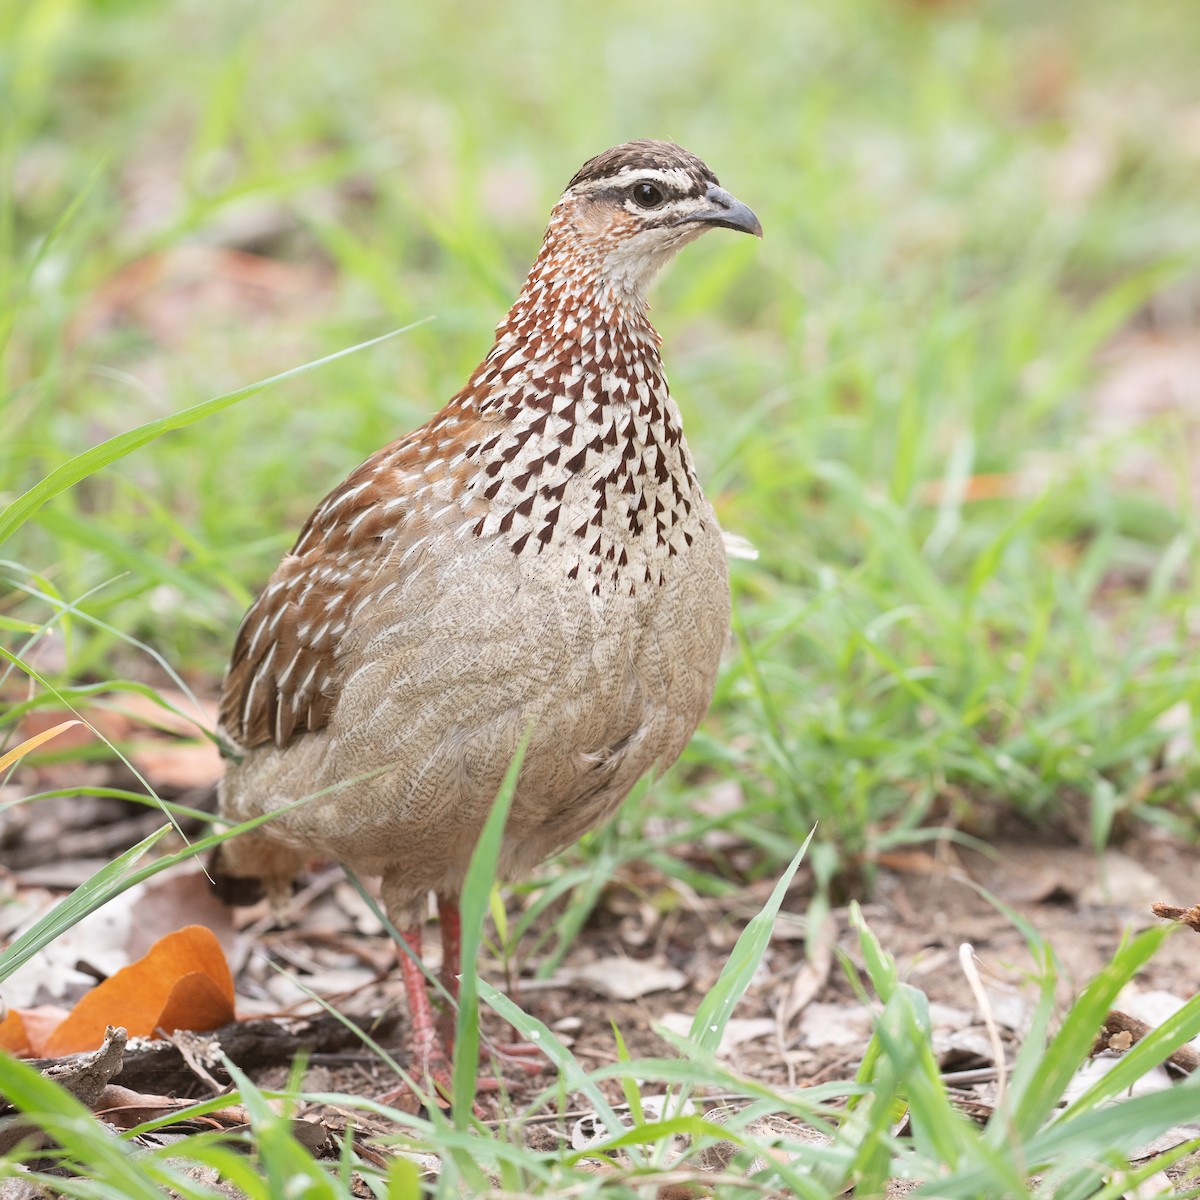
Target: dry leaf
[[738, 1030], [626, 978], [1121, 879], [98, 942], [182, 983], [834, 1025], [197, 1002], [116, 934], [25, 1031], [181, 896], [812, 974]]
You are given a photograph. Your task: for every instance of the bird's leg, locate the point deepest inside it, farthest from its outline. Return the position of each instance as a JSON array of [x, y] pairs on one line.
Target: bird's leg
[[428, 1062], [451, 921], [428, 1057], [516, 1053]]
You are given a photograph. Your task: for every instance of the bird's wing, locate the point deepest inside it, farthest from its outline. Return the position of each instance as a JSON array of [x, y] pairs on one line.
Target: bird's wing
[[283, 677]]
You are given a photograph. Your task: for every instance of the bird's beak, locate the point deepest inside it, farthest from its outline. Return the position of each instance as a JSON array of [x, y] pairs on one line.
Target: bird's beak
[[723, 210]]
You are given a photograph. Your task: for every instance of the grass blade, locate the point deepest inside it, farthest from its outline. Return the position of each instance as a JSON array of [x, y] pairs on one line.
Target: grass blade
[[31, 744], [52, 1108], [473, 907], [717, 1007], [573, 1076], [1073, 1042], [106, 883], [93, 459]]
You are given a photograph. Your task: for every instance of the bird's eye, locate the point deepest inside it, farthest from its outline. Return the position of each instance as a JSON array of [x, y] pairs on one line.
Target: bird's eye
[[646, 195]]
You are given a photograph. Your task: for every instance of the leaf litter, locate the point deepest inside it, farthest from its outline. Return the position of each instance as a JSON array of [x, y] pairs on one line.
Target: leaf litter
[[644, 961], [782, 1033]]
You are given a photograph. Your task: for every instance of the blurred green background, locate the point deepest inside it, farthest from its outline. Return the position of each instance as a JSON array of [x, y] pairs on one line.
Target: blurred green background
[[949, 397]]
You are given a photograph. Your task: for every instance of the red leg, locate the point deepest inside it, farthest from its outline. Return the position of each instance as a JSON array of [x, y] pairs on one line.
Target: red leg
[[451, 921], [516, 1053], [427, 1054], [428, 1063]]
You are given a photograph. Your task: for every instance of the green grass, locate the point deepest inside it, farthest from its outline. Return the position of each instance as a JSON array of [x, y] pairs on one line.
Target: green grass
[[925, 309], [938, 278]]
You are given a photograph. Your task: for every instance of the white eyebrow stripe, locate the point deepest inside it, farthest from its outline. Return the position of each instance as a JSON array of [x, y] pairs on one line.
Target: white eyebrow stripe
[[674, 178]]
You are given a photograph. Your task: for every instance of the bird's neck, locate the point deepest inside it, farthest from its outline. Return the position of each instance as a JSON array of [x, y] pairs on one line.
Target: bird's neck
[[575, 440], [573, 333]]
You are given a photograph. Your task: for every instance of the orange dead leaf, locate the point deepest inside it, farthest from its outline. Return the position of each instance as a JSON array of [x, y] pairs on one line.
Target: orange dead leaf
[[183, 982], [197, 1001], [13, 1037], [25, 1031], [909, 862]]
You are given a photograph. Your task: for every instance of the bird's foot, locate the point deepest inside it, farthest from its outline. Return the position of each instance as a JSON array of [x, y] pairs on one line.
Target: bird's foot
[[522, 1056], [432, 1074], [526, 1057], [433, 1084]]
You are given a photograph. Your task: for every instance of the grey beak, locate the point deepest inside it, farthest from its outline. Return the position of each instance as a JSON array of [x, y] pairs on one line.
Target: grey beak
[[726, 212]]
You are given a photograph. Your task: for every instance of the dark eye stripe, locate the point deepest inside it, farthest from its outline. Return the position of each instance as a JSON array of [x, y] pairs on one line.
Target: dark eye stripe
[[622, 194], [623, 191]]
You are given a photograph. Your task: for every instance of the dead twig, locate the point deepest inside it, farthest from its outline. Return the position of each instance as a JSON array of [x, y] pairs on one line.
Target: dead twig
[[1121, 1031], [1185, 916], [85, 1076]]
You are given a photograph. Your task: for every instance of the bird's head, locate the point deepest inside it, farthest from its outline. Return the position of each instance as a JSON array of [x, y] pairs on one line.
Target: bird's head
[[628, 210]]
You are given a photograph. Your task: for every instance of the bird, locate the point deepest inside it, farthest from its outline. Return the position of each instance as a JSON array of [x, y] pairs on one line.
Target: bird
[[538, 556]]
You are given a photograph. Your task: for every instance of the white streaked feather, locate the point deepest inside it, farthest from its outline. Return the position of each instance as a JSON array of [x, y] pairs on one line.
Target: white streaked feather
[[737, 546]]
